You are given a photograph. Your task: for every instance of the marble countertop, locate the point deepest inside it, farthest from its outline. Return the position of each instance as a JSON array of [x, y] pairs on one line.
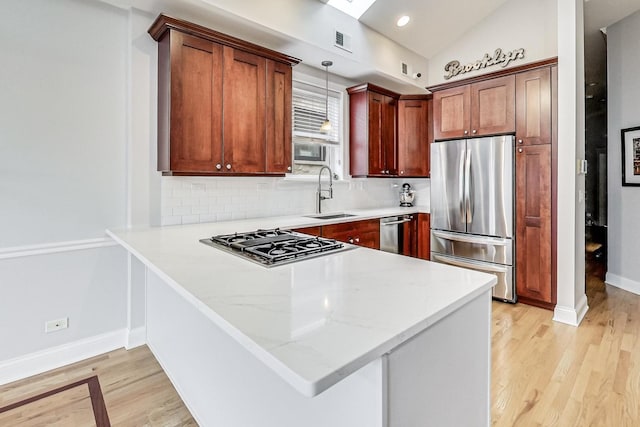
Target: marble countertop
[[315, 321]]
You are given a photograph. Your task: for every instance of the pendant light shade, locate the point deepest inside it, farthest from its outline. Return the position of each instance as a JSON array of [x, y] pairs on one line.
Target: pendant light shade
[[326, 125]]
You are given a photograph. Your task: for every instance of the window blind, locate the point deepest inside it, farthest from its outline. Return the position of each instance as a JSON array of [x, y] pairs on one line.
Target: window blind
[[309, 114]]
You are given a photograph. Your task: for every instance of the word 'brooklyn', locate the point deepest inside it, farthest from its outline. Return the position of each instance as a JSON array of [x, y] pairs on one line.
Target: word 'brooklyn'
[[453, 68]]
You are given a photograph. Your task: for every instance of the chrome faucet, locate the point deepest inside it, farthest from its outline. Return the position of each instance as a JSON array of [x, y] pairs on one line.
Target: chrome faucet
[[319, 196]]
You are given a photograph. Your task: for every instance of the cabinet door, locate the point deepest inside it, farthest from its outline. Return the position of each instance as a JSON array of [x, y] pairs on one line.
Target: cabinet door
[[451, 113], [244, 112], [493, 106], [533, 224], [424, 236], [278, 117], [533, 107], [388, 135], [377, 118], [413, 138], [195, 103]]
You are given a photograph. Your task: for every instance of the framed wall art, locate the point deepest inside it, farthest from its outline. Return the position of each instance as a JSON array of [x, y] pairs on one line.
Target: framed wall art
[[631, 156]]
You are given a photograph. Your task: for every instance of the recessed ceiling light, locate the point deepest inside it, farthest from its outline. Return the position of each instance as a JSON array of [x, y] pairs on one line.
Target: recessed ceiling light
[[402, 21]]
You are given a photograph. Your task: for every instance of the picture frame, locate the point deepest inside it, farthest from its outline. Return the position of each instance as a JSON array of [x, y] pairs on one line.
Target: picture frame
[[631, 156]]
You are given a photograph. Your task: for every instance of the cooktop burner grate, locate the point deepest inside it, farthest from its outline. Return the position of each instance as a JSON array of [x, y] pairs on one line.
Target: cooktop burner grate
[[274, 246]]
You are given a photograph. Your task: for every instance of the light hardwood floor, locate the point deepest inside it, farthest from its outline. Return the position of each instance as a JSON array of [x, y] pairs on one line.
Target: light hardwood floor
[[544, 373], [550, 374], [135, 388]]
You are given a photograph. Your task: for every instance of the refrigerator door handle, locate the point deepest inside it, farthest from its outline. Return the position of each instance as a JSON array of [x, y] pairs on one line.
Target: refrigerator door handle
[[493, 268], [461, 181], [468, 215]]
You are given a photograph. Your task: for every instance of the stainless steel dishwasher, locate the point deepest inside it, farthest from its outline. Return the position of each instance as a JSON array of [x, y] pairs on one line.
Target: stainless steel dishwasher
[[392, 232]]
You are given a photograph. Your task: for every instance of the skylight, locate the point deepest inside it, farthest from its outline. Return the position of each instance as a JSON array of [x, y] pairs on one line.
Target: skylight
[[355, 8]]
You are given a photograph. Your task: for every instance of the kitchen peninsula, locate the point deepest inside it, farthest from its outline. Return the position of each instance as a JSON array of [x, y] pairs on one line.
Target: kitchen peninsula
[[354, 338]]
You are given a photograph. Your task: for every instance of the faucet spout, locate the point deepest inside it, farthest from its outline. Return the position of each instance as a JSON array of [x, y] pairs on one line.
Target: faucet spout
[[319, 192]]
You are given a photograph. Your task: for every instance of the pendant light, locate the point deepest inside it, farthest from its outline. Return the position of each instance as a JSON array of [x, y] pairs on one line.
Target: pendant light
[[326, 125]]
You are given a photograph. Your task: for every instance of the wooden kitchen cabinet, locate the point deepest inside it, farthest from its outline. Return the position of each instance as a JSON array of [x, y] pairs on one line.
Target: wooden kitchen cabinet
[[478, 109], [372, 131], [362, 233], [414, 135], [533, 225], [389, 134], [423, 247], [533, 107], [224, 105]]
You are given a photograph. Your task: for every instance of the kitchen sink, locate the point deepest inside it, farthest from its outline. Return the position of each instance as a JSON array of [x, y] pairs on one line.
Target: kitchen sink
[[330, 216]]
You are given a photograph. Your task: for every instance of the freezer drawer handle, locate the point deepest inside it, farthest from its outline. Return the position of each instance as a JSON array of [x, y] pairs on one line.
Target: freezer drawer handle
[[471, 264], [469, 239]]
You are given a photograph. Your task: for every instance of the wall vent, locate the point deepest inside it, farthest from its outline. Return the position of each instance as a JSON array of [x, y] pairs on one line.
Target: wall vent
[[404, 69], [342, 40]]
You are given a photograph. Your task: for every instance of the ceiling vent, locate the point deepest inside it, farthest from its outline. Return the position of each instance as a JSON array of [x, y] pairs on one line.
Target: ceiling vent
[[404, 69], [342, 40]]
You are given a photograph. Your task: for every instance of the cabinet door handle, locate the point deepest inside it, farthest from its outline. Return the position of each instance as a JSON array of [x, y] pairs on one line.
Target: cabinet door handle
[[350, 240], [357, 240], [474, 131], [228, 166], [519, 141], [466, 132], [401, 172], [218, 166], [519, 150], [289, 168]]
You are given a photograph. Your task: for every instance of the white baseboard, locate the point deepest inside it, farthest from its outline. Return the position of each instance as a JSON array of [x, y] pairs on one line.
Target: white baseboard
[[56, 357], [623, 283], [136, 337], [571, 315]]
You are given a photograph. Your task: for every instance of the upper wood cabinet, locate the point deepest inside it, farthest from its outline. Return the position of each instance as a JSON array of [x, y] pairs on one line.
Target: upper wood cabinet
[[533, 107], [389, 134], [372, 131], [414, 135], [478, 109], [224, 105]]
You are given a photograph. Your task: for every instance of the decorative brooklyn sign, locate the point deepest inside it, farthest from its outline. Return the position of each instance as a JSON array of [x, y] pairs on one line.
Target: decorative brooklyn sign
[[453, 68]]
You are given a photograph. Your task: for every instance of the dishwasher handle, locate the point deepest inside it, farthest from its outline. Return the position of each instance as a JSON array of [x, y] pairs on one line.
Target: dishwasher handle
[[401, 221]]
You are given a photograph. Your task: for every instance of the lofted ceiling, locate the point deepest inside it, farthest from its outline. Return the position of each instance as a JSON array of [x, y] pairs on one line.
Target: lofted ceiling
[[434, 24]]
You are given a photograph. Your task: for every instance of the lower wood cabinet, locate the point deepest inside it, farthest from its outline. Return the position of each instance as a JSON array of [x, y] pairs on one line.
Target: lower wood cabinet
[[362, 233], [415, 239], [423, 247], [533, 226]]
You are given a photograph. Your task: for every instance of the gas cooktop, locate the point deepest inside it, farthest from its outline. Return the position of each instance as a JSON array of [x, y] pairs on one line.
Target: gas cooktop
[[274, 247]]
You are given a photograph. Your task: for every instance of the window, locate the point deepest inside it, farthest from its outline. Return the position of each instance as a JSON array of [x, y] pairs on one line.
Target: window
[[313, 148]]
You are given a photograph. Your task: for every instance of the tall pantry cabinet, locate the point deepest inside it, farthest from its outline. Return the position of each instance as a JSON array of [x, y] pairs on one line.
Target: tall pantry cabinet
[[534, 186]]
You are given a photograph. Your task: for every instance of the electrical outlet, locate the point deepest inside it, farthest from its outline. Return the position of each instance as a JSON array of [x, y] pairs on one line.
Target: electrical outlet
[[56, 325]]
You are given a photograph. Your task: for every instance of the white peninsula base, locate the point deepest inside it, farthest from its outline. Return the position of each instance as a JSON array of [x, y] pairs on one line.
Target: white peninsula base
[[440, 377]]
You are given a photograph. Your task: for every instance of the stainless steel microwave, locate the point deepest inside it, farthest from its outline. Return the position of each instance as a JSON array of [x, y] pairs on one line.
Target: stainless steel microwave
[[311, 153]]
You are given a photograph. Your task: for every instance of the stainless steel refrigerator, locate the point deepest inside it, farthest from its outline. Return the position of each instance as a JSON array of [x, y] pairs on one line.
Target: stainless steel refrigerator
[[472, 207]]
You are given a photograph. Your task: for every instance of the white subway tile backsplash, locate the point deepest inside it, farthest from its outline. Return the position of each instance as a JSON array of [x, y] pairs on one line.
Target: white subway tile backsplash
[[208, 199]]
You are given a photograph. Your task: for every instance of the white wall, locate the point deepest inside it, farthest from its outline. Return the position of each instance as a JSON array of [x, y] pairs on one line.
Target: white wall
[[62, 171], [532, 25], [623, 236]]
